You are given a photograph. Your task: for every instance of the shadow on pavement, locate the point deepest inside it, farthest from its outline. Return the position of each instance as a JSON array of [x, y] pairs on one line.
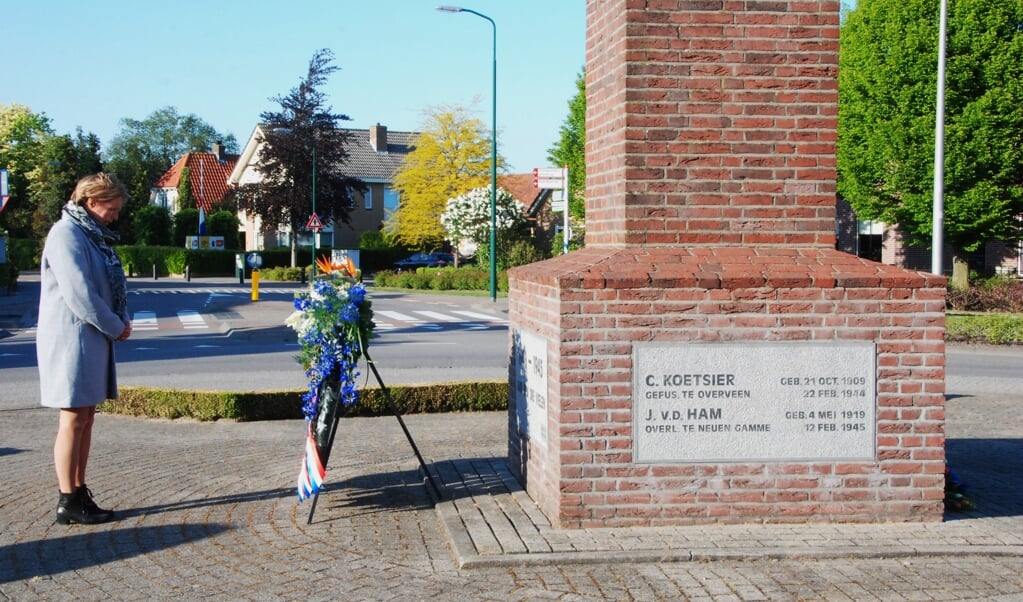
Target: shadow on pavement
[[992, 473], [206, 502], [32, 559]]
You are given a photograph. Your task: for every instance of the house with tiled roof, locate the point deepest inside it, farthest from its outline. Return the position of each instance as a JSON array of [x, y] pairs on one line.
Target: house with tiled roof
[[536, 206], [374, 156], [208, 172]]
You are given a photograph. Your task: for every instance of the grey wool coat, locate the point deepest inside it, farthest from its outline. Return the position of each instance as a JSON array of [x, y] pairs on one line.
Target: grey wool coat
[[77, 321]]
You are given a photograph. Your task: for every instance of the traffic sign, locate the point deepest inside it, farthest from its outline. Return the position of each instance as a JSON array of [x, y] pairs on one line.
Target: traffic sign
[[552, 178], [314, 223], [548, 172], [550, 183]]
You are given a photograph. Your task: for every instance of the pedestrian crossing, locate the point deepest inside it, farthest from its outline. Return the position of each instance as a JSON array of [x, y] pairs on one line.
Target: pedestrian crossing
[[384, 320], [186, 319], [243, 292], [434, 320]]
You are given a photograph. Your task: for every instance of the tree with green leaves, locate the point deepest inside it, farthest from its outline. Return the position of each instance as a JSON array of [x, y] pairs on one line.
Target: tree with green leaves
[[887, 97], [451, 156], [153, 226], [185, 224], [304, 149], [224, 223], [43, 168], [185, 198], [22, 135], [570, 149], [142, 151], [63, 161]]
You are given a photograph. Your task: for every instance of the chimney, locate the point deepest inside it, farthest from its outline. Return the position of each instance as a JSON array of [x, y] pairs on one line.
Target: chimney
[[218, 150], [378, 138]]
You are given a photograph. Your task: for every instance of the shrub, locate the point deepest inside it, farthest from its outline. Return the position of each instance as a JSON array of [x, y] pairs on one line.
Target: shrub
[[186, 223], [989, 328], [140, 259], [469, 278], [24, 253], [523, 252], [224, 223], [998, 294], [283, 274], [284, 405], [152, 225]]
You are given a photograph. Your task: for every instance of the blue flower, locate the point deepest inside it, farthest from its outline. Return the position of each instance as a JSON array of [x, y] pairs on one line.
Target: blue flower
[[334, 323]]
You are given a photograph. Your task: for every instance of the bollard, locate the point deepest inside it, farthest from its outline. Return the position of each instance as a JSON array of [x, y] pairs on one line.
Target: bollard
[[154, 271], [188, 273], [255, 285]]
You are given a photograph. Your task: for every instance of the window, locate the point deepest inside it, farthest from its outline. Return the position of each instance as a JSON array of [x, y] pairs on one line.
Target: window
[[367, 199], [870, 239], [390, 202]]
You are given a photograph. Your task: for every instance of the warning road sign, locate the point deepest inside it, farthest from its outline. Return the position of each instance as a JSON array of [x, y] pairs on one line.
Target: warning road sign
[[314, 223]]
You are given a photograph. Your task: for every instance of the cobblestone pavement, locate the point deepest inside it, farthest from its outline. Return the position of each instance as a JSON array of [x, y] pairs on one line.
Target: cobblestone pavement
[[208, 511]]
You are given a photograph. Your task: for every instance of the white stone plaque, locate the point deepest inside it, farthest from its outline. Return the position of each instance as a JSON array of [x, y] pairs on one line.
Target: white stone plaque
[[529, 385], [712, 402]]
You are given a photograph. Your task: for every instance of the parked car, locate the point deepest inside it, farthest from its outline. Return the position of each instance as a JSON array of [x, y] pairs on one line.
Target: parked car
[[425, 260]]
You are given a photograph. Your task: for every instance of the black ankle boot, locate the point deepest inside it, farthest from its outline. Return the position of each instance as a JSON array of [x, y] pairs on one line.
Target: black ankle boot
[[90, 505], [70, 509]]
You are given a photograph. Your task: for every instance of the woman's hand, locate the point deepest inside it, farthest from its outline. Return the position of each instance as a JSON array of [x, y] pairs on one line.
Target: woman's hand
[[125, 333]]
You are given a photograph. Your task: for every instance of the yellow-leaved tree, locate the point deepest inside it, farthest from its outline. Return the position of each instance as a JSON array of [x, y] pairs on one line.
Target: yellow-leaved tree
[[451, 157]]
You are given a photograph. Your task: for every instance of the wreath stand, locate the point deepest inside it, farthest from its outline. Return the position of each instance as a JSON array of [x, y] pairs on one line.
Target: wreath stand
[[328, 417]]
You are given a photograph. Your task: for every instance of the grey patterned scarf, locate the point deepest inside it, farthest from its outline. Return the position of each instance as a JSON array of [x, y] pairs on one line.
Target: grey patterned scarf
[[103, 237]]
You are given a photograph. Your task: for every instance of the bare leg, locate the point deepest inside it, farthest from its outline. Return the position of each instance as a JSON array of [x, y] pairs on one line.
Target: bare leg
[[68, 446], [84, 445]]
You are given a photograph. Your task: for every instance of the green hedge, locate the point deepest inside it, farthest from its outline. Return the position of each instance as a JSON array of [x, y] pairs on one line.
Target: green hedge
[[283, 405], [466, 278], [984, 328], [24, 253], [139, 260]]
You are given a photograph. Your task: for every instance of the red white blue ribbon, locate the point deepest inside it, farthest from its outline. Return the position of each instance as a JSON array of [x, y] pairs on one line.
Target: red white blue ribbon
[[310, 477]]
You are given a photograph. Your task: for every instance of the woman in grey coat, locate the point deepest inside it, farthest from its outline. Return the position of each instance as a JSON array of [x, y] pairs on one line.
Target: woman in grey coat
[[82, 311]]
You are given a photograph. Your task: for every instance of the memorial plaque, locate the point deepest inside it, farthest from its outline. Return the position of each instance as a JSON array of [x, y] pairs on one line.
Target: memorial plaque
[[711, 402], [529, 385]]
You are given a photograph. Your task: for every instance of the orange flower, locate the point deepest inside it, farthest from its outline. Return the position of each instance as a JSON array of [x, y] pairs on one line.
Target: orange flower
[[346, 267]]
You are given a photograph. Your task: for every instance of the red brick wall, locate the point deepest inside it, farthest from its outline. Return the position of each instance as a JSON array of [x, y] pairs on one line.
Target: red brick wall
[[711, 218], [728, 133], [593, 305]]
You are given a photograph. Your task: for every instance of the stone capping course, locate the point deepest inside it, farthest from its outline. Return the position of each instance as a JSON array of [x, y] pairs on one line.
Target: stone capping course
[[719, 268]]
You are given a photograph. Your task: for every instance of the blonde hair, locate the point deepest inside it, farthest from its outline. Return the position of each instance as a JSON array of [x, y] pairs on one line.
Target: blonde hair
[[102, 187]]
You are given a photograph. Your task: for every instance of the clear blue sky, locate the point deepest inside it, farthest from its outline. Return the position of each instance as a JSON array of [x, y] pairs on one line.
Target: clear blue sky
[[91, 64]]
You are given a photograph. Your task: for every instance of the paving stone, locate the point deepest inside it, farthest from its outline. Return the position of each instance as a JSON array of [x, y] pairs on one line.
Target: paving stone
[[207, 511]]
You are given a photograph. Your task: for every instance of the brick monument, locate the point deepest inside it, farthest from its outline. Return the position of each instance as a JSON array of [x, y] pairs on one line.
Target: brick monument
[[709, 356]]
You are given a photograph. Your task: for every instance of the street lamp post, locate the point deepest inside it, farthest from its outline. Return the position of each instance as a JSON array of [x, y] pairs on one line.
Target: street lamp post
[[493, 148], [312, 266], [938, 204]]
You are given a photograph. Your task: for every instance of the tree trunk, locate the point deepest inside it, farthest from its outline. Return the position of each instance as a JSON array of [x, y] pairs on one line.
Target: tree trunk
[[294, 250], [960, 272]]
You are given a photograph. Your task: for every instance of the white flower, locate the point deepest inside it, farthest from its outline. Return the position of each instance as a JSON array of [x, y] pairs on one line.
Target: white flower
[[299, 322]]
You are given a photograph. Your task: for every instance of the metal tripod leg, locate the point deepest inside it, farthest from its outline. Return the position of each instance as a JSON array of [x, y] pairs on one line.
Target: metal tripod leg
[[408, 435]]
